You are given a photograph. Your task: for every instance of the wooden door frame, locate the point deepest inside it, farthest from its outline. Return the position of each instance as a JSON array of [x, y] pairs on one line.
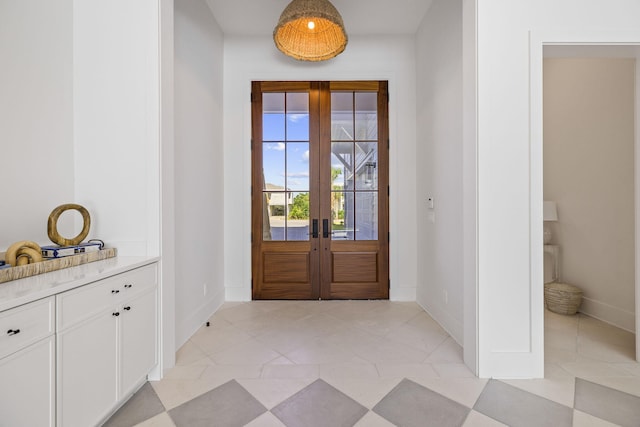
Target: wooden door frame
[[321, 265]]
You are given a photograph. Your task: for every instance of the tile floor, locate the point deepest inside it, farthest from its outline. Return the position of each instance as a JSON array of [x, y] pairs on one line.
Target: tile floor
[[379, 363]]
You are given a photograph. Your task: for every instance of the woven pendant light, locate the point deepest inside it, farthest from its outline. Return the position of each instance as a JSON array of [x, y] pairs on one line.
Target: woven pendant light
[[310, 30]]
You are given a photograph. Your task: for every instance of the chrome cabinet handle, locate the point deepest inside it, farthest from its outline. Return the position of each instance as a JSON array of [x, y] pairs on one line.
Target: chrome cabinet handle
[[11, 332], [115, 291]]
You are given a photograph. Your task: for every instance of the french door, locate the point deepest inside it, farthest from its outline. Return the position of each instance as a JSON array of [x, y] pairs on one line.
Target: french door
[[320, 190]]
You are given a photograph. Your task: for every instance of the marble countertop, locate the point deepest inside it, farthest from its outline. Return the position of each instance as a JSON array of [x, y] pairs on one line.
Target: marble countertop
[[23, 291]]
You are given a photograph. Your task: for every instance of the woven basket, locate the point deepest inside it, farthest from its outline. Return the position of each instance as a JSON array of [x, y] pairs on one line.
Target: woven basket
[[562, 298]]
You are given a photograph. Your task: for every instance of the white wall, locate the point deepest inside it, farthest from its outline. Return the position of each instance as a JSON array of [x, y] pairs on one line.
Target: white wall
[[510, 168], [199, 170], [36, 117], [439, 157], [589, 131], [116, 121], [366, 58]]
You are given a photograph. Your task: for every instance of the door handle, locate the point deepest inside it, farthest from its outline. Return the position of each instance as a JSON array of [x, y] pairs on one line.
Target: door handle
[[314, 229], [325, 228]]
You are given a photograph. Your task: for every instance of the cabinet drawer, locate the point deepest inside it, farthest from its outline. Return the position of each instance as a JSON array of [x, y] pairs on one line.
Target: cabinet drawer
[[26, 324], [81, 303]]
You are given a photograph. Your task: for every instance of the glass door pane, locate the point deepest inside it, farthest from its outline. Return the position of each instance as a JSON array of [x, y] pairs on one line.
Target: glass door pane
[[354, 165], [285, 166]]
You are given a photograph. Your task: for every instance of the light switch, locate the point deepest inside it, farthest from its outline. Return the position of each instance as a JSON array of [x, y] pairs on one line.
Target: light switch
[[430, 202]]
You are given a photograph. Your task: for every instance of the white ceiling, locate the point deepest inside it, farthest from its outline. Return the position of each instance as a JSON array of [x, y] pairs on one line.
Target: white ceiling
[[361, 17]]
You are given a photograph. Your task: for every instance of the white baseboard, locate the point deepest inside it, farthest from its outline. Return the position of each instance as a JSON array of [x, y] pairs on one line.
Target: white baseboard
[[237, 294], [448, 323], [607, 313], [397, 293], [190, 325]]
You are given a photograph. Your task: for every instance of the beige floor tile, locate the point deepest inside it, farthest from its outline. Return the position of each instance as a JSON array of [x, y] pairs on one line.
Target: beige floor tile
[[476, 419], [216, 339], [371, 419], [420, 336], [606, 351], [406, 370], [285, 340], [580, 419], [271, 392], [266, 420], [367, 392], [191, 354], [593, 370], [246, 353], [465, 391], [191, 372], [280, 361], [448, 352], [160, 420], [453, 370], [319, 352], [348, 370], [633, 367], [290, 371]]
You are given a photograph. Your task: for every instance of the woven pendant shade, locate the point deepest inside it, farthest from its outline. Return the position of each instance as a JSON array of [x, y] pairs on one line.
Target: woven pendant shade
[[294, 37]]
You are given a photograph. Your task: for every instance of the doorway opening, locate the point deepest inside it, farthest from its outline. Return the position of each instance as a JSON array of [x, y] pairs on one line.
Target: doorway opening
[[591, 172], [320, 188]]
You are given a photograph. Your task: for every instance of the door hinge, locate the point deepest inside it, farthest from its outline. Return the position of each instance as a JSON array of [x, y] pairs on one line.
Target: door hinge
[[388, 144], [388, 236], [389, 283], [252, 237], [388, 190], [251, 144]]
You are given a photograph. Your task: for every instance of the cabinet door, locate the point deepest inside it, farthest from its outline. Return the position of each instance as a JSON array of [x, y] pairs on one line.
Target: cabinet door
[[27, 386], [87, 371], [138, 339]]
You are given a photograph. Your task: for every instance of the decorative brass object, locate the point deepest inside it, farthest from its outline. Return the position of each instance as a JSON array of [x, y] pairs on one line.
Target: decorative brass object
[[23, 253], [52, 225]]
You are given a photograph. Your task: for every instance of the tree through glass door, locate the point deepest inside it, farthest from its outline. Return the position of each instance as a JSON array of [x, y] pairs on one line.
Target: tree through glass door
[[320, 190]]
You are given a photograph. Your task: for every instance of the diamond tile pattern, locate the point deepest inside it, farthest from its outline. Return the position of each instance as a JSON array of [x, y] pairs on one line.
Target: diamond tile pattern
[[608, 404], [319, 405], [516, 407], [144, 404], [229, 405], [412, 405], [379, 363]]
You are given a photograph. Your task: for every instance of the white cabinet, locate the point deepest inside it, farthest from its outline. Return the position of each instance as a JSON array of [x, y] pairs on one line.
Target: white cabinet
[[27, 365], [106, 344]]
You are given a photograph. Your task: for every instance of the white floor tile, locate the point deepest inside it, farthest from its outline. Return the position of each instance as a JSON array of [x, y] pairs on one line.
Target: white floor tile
[[365, 348], [580, 419], [290, 371], [406, 370], [371, 419], [476, 419], [266, 420]]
